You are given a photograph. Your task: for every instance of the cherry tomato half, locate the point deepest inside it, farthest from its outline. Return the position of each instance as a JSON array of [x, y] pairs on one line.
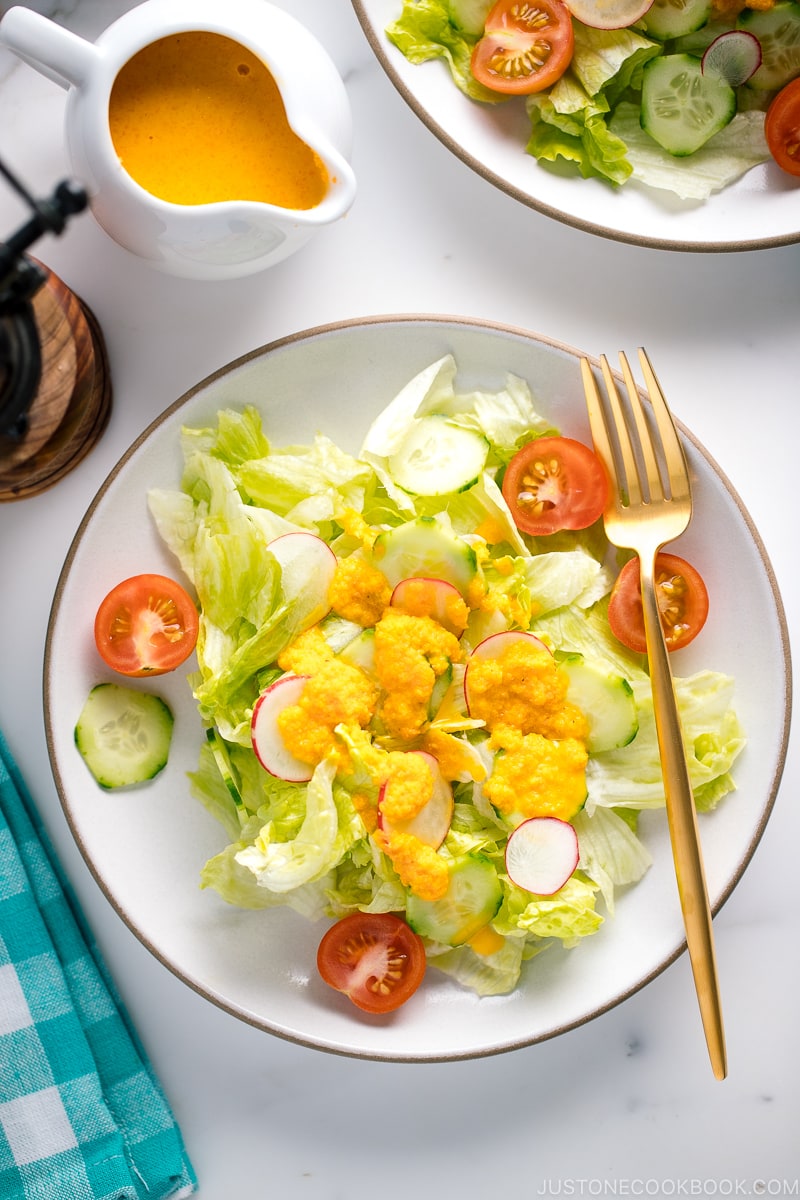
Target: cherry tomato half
[[374, 958], [782, 128], [526, 46], [147, 625], [555, 483], [682, 602]]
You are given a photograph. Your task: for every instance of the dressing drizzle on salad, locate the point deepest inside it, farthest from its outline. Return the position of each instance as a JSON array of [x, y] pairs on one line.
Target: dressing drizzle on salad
[[437, 690]]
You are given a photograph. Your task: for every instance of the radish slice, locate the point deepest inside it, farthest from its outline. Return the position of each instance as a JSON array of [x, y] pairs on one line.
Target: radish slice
[[307, 568], [268, 744], [608, 14], [541, 854], [495, 645], [733, 57], [431, 598], [432, 822]]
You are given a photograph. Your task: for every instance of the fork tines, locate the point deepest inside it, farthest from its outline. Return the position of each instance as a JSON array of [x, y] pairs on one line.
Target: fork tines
[[625, 435]]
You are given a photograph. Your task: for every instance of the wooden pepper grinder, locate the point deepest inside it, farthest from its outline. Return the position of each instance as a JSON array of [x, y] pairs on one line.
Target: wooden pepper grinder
[[55, 389]]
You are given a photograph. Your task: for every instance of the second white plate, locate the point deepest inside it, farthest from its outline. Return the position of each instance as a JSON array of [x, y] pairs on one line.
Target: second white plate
[[760, 210]]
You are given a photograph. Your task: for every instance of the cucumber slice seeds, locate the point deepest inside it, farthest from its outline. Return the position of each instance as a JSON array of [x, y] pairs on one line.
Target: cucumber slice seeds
[[778, 32], [437, 458], [425, 547], [471, 901], [123, 735], [681, 107]]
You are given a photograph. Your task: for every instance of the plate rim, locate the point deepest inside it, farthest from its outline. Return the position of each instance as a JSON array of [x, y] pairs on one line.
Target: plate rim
[[207, 991], [683, 245]]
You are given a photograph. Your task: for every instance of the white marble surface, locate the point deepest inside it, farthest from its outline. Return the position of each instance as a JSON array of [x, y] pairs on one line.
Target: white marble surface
[[627, 1104]]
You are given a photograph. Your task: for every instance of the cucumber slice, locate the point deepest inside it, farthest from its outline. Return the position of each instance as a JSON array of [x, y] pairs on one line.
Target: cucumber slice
[[469, 15], [606, 700], [667, 19], [437, 458], [360, 652], [338, 631], [472, 899], [681, 107], [778, 31], [425, 548], [123, 735], [440, 689], [225, 767]]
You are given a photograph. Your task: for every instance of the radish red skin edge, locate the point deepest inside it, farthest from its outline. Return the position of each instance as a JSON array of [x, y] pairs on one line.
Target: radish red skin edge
[[542, 854], [432, 823], [268, 744], [733, 56], [493, 646]]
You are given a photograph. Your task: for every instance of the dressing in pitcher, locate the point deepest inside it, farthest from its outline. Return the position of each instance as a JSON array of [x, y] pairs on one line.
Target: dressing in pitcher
[[212, 136], [197, 118]]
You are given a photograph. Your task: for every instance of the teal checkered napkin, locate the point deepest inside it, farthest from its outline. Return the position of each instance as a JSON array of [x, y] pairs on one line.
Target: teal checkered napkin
[[82, 1116]]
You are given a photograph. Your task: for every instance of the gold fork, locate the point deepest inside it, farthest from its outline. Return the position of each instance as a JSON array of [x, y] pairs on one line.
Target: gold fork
[[647, 508]]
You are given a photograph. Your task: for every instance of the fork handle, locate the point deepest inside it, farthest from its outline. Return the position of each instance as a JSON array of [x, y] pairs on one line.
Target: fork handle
[[682, 820]]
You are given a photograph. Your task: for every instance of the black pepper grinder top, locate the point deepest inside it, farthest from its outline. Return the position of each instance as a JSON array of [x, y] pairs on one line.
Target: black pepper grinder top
[[55, 382], [20, 280]]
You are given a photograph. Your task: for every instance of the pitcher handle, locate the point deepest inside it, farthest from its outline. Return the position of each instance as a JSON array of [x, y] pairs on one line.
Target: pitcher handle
[[55, 52]]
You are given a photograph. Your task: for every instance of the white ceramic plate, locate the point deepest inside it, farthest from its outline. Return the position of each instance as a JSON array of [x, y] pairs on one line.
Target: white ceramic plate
[[146, 846], [762, 209]]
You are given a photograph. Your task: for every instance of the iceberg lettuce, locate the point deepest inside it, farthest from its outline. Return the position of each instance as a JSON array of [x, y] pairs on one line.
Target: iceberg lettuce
[[631, 776], [423, 31], [569, 120], [727, 156], [487, 974], [326, 832], [567, 916], [610, 852]]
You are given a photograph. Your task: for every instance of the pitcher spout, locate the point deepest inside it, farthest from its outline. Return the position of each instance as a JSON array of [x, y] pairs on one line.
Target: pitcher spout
[[339, 194]]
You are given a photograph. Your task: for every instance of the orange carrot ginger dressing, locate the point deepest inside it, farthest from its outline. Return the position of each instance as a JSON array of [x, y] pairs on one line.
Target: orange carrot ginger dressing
[[197, 118]]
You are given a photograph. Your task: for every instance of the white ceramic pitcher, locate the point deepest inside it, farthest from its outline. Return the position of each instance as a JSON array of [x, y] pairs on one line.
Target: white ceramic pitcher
[[204, 241]]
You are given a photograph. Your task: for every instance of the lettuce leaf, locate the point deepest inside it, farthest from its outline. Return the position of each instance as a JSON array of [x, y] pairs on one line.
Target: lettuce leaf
[[611, 853], [570, 119], [609, 60], [239, 887], [487, 974], [567, 916], [328, 829], [724, 158], [579, 135], [423, 31], [631, 776]]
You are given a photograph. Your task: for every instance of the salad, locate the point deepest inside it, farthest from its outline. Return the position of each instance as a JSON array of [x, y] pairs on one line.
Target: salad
[[419, 723], [682, 95]]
